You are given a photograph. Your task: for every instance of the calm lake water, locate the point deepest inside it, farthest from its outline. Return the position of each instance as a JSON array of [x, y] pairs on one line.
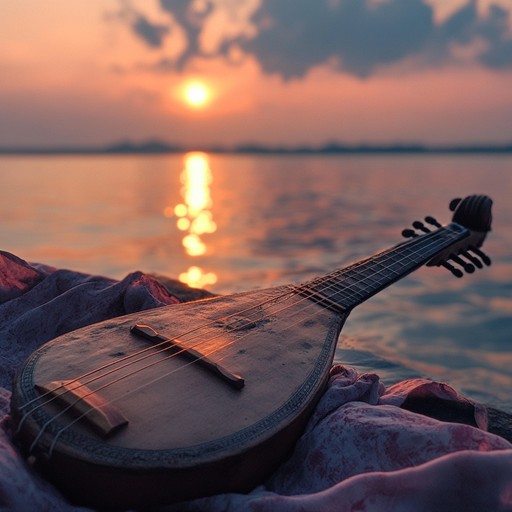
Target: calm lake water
[[233, 222]]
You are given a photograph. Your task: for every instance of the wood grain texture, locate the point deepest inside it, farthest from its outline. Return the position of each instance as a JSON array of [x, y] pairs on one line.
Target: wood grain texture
[[184, 422]]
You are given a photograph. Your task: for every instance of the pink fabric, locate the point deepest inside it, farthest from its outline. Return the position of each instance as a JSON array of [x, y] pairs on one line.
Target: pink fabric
[[361, 451]]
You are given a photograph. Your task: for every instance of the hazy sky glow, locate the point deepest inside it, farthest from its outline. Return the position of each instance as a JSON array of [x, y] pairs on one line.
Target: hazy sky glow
[[276, 71]]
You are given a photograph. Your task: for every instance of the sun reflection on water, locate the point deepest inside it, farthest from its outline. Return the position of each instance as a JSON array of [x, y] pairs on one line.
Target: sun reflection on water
[[194, 216]]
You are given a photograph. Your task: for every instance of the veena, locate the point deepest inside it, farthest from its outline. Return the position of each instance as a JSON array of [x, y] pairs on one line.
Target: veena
[[206, 397]]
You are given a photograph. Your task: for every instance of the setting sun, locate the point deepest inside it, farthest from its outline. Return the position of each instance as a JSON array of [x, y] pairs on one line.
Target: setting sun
[[196, 94]]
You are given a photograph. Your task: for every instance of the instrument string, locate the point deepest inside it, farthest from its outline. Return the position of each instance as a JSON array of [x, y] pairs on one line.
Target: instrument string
[[151, 347], [318, 280], [206, 354], [330, 279], [153, 381], [298, 289], [315, 281]]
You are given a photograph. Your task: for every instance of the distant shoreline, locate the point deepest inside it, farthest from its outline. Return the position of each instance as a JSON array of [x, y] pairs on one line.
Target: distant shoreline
[[157, 147]]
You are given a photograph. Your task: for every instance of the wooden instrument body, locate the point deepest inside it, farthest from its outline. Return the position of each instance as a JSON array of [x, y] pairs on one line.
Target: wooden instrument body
[[189, 433]]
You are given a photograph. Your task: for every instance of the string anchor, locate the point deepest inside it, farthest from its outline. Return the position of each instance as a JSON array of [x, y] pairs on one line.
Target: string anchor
[[454, 203], [464, 264], [481, 255], [472, 259], [419, 225], [433, 222], [455, 271], [409, 233]]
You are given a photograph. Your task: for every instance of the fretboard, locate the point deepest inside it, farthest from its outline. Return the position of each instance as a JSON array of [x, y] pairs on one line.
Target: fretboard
[[346, 288]]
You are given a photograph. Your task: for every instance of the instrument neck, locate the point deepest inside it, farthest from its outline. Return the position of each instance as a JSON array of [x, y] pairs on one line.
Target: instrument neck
[[346, 288]]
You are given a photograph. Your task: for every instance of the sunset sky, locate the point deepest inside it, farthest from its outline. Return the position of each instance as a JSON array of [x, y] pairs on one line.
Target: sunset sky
[[255, 71]]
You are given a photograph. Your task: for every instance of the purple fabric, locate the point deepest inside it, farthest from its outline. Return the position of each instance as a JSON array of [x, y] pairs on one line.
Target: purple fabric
[[361, 451], [38, 303]]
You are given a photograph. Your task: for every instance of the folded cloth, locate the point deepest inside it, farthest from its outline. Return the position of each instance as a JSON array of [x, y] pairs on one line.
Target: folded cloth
[[38, 303], [365, 448], [359, 453]]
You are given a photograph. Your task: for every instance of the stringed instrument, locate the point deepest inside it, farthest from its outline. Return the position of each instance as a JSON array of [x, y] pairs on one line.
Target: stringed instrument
[[207, 397]]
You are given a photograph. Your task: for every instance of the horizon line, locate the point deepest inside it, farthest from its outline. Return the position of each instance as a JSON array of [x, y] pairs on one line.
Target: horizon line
[[161, 147]]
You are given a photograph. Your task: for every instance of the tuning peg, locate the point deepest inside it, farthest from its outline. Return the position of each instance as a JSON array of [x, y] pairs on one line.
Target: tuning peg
[[471, 258], [455, 271], [419, 225], [454, 203], [464, 264], [409, 233], [432, 221], [481, 254]]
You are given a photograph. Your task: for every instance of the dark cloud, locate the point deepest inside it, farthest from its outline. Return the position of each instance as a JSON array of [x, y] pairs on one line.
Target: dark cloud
[[499, 53], [356, 36], [361, 36], [192, 22], [465, 26], [460, 27], [499, 56], [152, 34]]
